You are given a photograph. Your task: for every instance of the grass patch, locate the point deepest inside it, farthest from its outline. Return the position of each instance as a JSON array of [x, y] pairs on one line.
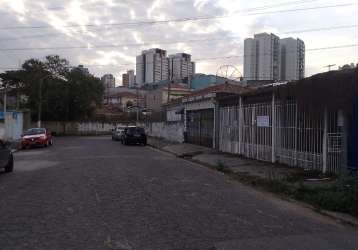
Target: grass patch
[[335, 194], [340, 196], [221, 167]]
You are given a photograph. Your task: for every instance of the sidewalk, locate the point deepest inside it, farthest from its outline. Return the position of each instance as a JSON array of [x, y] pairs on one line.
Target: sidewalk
[[285, 181], [230, 163]]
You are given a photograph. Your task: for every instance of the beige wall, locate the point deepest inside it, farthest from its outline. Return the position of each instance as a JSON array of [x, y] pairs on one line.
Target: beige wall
[[154, 99]]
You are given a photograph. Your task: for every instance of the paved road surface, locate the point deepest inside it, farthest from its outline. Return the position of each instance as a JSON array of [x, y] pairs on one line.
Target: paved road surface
[[93, 193]]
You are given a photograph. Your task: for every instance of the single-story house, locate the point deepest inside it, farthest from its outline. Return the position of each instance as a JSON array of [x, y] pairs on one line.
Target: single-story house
[[311, 123], [155, 98], [200, 112], [123, 100]]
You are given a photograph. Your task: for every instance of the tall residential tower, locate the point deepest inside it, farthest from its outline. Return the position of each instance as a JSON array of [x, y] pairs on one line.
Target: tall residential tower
[[152, 66], [292, 59], [181, 67], [269, 58]]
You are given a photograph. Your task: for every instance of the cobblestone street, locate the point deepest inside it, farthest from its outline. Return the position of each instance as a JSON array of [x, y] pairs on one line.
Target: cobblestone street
[[94, 193]]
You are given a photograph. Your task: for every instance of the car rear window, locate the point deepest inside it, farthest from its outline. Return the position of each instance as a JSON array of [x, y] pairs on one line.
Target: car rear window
[[135, 130]]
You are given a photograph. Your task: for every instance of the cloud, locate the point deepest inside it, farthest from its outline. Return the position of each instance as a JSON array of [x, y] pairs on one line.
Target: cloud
[[217, 33]]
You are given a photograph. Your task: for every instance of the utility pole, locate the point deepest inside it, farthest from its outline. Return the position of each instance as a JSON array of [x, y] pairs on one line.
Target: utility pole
[[329, 66], [40, 104], [137, 90], [5, 103], [169, 90], [171, 77]]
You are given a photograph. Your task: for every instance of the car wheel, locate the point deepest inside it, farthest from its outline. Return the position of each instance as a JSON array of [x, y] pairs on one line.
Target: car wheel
[[46, 144], [10, 165]]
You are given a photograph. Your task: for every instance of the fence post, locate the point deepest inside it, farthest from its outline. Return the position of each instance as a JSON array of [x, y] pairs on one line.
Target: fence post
[[273, 140], [240, 123], [296, 134], [324, 142]]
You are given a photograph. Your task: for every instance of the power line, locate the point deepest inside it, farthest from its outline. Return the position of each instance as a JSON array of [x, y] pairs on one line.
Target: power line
[[117, 45], [179, 19], [89, 47], [320, 29], [217, 58], [352, 26]]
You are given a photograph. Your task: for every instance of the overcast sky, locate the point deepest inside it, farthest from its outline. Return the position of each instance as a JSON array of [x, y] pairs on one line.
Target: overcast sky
[[220, 37]]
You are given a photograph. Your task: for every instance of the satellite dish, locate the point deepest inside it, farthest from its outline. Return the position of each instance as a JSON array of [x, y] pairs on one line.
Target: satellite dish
[[229, 72]]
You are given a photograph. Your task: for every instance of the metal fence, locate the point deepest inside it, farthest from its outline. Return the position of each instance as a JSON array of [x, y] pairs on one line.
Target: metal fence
[[279, 132]]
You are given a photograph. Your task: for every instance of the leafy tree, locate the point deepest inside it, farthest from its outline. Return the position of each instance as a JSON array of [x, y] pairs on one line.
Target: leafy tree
[[64, 94]]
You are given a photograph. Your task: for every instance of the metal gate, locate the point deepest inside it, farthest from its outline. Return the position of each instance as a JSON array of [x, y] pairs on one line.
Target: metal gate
[[200, 127], [256, 137], [283, 134], [353, 138]]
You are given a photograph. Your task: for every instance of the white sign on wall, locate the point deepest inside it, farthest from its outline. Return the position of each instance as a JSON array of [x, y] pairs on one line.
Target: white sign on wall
[[263, 121]]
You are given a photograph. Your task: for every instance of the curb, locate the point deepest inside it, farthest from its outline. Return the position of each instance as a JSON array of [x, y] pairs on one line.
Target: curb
[[340, 217], [343, 218]]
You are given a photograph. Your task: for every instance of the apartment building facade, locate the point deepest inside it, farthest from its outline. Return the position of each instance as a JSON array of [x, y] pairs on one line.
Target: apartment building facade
[[292, 59], [152, 66], [269, 58], [128, 79], [108, 81], [181, 67]]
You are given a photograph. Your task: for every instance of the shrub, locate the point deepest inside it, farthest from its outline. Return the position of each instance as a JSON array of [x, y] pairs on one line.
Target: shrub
[[220, 166]]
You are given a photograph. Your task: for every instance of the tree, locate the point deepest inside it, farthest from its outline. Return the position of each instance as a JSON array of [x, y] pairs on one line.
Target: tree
[[12, 81], [64, 94]]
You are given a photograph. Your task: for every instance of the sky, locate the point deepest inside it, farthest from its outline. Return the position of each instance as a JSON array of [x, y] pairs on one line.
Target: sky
[[110, 33]]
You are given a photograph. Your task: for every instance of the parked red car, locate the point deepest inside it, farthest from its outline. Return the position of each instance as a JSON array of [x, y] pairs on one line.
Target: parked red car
[[36, 137]]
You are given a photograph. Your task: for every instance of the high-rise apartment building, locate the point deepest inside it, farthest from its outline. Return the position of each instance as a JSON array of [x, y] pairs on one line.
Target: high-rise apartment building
[[125, 80], [131, 79], [108, 81], [292, 59], [128, 79], [262, 57], [152, 66], [181, 67], [269, 58]]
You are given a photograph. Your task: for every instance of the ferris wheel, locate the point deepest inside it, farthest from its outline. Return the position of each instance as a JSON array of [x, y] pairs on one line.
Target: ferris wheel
[[229, 72]]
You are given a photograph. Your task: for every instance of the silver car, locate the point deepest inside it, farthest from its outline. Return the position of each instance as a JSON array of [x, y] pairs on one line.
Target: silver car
[[117, 133]]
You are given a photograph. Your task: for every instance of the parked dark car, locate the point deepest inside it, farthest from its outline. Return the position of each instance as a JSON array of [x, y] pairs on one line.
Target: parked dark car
[[6, 158], [36, 137], [117, 133], [134, 135]]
